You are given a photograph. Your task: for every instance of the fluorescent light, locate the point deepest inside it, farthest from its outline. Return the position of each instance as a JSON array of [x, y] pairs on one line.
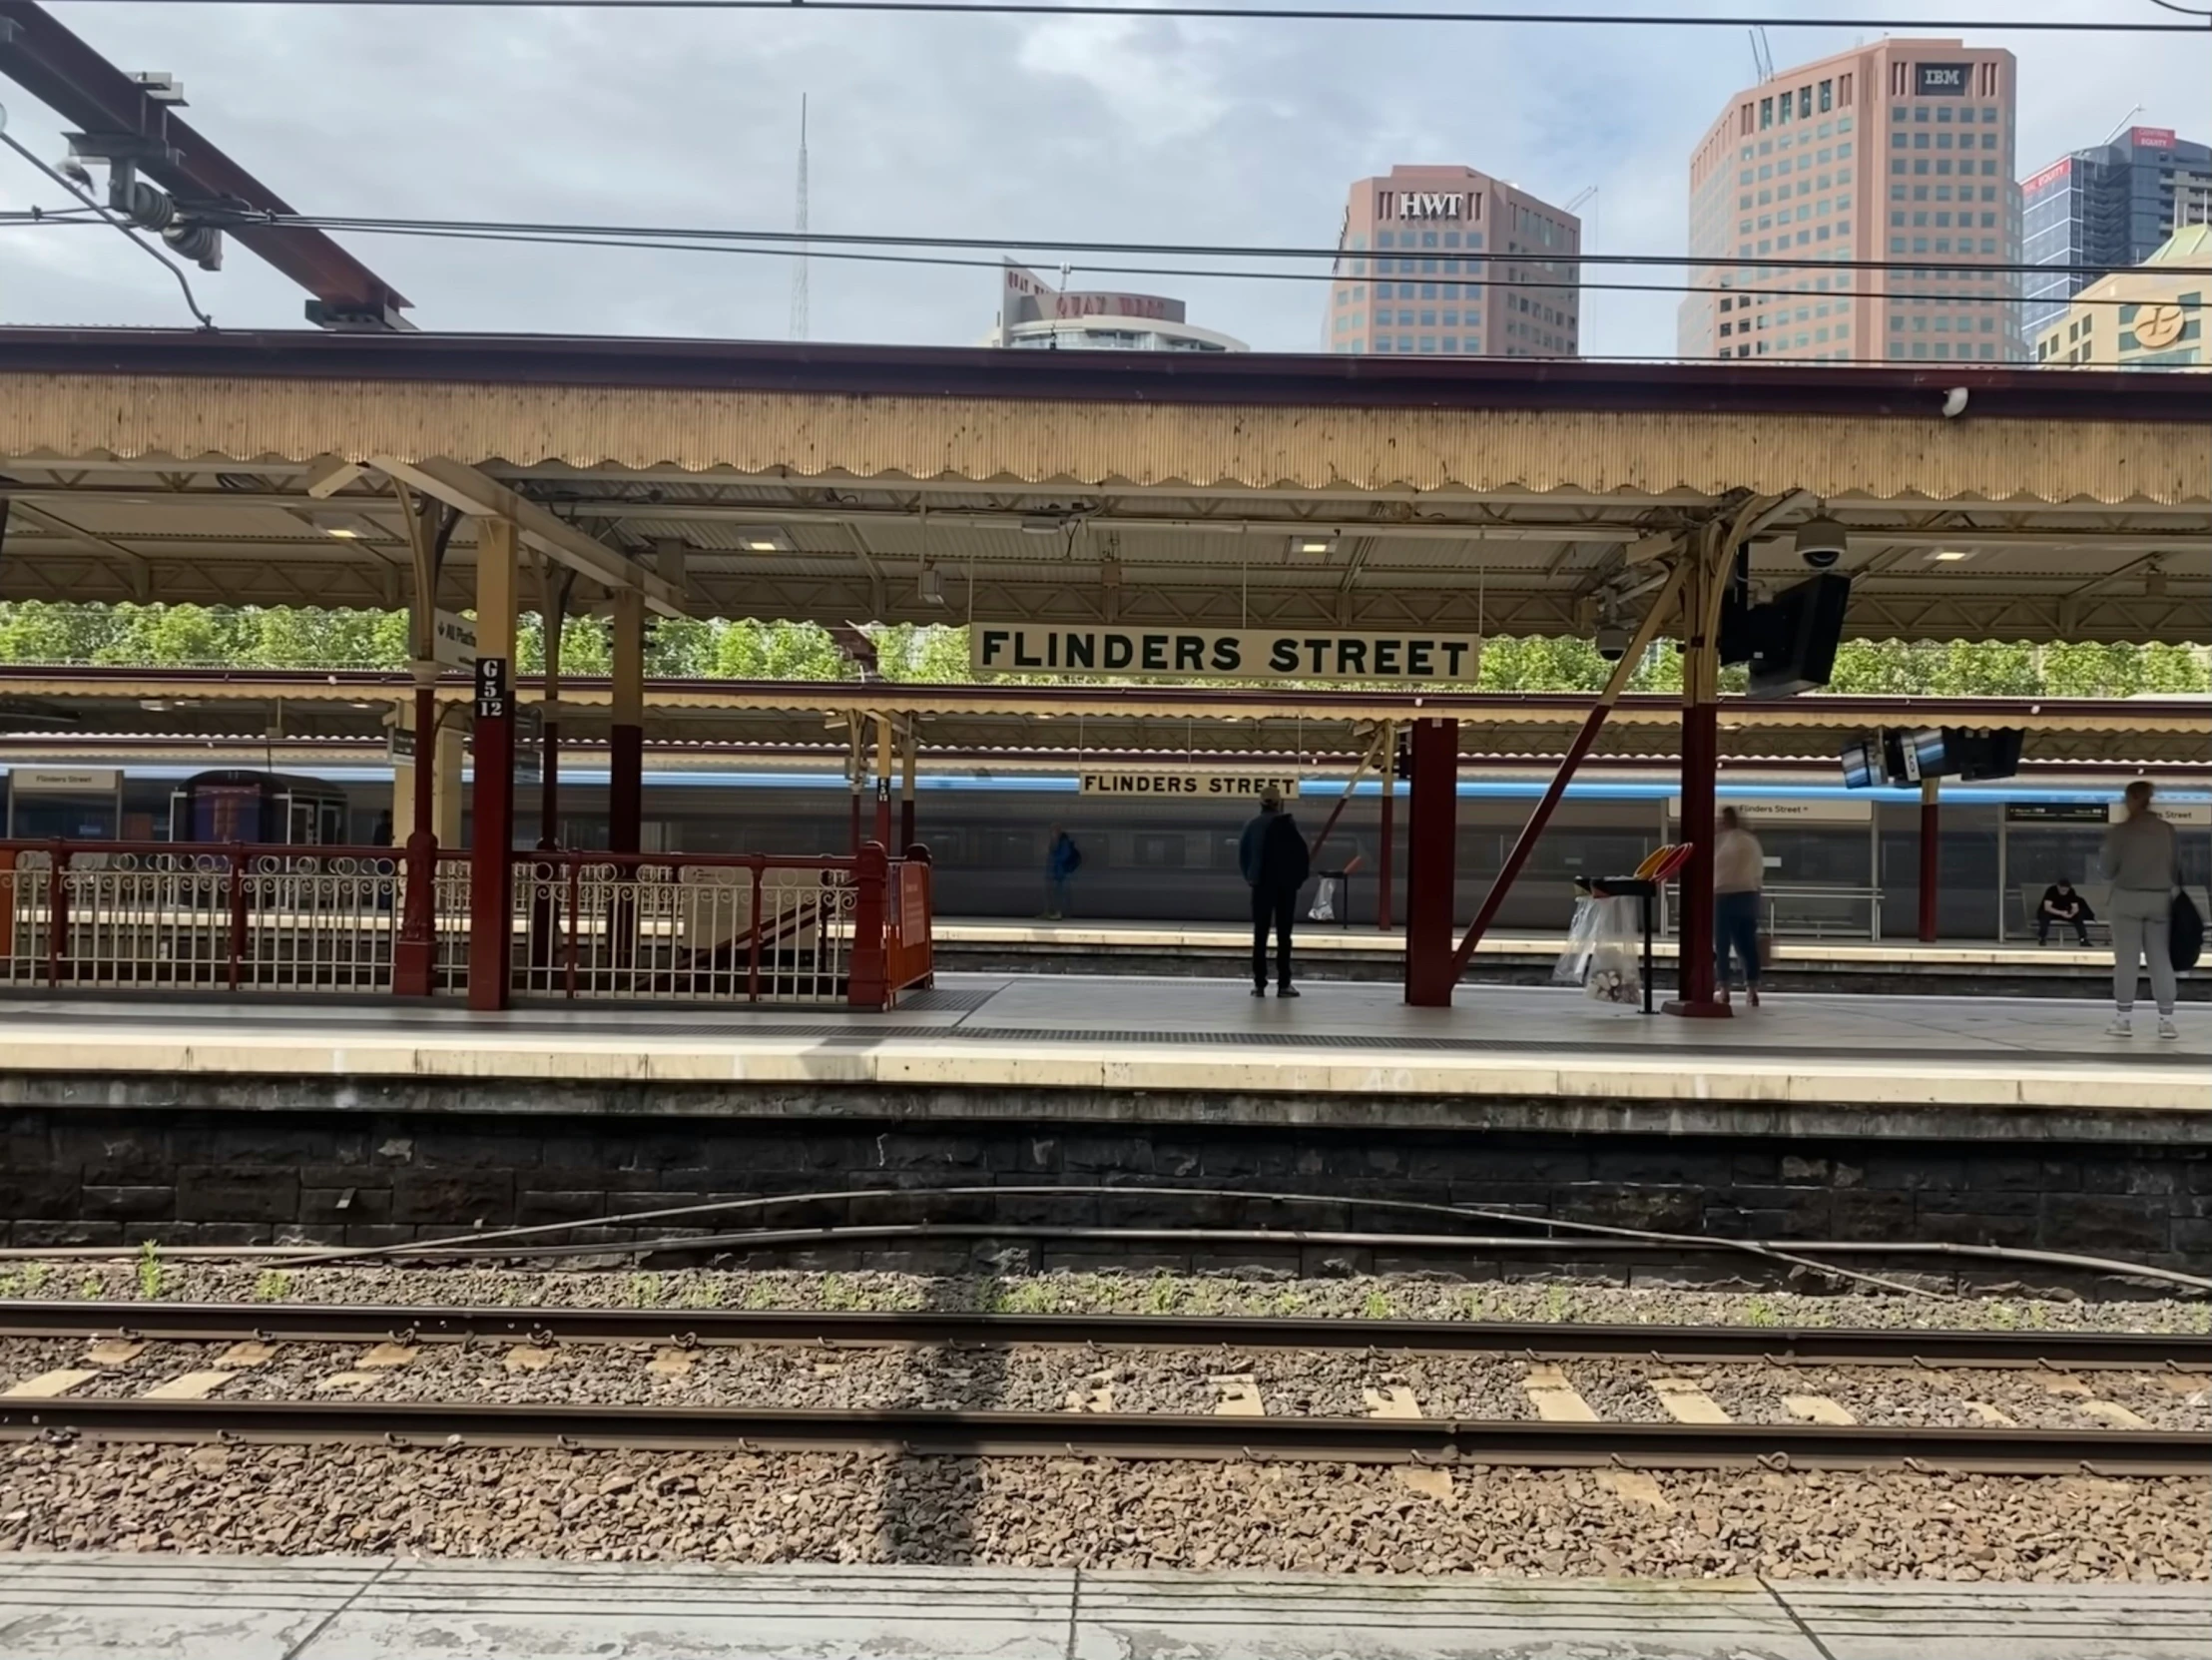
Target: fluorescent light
[[1041, 525], [344, 532], [1948, 556], [763, 539], [1320, 544]]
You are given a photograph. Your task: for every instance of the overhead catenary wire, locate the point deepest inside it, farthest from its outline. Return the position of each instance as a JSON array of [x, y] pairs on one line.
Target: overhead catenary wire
[[1254, 14], [674, 244], [1524, 256]]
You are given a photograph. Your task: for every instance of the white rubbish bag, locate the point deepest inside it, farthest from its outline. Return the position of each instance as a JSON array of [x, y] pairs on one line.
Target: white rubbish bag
[[1574, 961], [1324, 901], [1615, 973]]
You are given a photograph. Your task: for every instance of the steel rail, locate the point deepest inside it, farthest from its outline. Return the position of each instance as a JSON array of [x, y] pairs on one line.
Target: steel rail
[[1534, 1443], [1797, 1345]]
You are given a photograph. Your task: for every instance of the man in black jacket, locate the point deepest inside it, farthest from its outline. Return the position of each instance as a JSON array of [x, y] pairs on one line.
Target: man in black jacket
[[1273, 854], [2060, 903]]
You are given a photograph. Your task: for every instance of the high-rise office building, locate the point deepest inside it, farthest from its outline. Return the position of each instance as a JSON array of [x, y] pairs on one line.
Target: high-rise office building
[[1899, 152], [2107, 209], [1450, 261]]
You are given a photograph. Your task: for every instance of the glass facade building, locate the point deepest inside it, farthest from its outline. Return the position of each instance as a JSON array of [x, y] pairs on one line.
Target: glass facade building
[[2107, 209]]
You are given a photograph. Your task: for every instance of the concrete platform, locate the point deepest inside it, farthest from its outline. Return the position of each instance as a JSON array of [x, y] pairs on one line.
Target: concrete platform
[[141, 1607], [1365, 939], [1048, 1036], [2017, 968]]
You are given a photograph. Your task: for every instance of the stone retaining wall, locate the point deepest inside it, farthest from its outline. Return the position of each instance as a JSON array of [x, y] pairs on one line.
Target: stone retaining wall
[[323, 1174]]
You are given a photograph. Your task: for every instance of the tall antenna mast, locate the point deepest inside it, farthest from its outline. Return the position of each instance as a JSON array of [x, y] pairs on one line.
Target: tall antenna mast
[[799, 264]]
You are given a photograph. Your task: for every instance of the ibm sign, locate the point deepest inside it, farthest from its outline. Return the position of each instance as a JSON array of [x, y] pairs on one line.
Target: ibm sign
[[1422, 204], [1943, 80]]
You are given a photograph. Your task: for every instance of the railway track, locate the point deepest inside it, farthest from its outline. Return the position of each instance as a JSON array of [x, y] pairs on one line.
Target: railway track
[[1564, 1431], [1803, 1345]]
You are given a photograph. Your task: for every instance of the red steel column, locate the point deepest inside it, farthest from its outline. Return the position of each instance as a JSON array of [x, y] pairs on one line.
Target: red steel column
[[626, 736], [1432, 834], [491, 828], [415, 953], [1389, 830], [1700, 763], [1701, 605], [1932, 843]]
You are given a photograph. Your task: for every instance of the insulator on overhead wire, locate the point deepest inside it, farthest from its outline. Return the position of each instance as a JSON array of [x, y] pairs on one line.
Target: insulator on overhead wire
[[200, 243]]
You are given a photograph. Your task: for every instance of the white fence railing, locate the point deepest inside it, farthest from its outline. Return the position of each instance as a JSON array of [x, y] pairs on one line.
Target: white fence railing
[[628, 927], [272, 920], [730, 929]]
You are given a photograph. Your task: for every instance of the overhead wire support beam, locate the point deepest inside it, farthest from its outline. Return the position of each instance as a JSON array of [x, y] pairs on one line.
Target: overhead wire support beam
[[76, 83]]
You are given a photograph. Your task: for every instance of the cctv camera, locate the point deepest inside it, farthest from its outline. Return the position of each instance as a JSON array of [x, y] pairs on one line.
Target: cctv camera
[[1613, 642], [1821, 542]]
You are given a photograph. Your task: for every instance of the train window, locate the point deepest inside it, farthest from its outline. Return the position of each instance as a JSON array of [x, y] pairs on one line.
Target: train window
[[1006, 850], [1157, 851]]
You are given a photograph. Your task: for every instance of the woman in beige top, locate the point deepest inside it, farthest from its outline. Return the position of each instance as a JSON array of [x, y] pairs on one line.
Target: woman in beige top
[[1739, 866]]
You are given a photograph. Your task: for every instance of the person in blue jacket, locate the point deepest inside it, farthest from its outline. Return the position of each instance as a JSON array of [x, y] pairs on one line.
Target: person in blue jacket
[[1273, 854], [1061, 860]]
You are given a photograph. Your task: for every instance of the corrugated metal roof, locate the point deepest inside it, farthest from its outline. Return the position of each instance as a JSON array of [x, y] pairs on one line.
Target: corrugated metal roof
[[1092, 445]]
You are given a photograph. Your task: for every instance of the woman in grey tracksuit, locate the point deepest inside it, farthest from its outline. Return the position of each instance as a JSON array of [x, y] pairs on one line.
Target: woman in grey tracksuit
[[2142, 866]]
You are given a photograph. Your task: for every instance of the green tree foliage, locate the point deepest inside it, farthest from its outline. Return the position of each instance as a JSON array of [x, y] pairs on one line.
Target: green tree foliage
[[179, 636]]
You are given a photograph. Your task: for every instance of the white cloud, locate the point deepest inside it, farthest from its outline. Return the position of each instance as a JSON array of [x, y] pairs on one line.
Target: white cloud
[[1137, 130]]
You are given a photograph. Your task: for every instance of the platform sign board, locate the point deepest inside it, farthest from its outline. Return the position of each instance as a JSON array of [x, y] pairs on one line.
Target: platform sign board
[[2056, 812], [1185, 785], [1251, 653], [66, 780], [493, 703], [453, 640], [1781, 811], [2181, 815]]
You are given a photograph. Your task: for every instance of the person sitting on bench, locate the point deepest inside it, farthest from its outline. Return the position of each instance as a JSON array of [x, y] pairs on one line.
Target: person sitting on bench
[[2060, 903]]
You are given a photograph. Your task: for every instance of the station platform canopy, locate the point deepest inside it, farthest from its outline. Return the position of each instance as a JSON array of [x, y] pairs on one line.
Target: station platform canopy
[[846, 484], [115, 709]]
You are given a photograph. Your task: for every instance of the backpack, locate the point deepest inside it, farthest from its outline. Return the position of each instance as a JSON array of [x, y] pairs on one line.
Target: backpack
[[1291, 864], [1072, 861], [2184, 933]]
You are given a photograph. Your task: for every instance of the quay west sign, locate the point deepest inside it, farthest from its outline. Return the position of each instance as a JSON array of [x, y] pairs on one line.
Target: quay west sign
[[1202, 787], [1226, 654]]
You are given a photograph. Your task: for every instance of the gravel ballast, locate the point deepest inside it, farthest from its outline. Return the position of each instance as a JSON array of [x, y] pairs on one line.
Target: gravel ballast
[[1096, 1514], [1385, 1296]]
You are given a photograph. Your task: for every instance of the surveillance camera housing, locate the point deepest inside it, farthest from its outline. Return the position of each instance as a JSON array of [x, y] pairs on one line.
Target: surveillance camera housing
[[1821, 543], [1613, 642]]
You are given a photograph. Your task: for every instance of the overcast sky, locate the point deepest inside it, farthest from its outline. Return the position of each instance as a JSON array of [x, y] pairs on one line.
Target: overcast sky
[[1122, 130]]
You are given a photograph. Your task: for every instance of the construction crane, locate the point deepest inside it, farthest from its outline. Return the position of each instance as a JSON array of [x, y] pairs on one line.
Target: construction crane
[[1588, 193], [162, 175], [1762, 55]]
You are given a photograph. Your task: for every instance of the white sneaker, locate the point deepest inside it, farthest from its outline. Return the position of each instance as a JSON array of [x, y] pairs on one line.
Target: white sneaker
[[2123, 1026], [2166, 1026]]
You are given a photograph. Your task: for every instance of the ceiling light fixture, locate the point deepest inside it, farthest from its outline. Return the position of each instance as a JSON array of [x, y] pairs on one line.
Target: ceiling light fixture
[[1948, 556], [755, 538], [1319, 544], [932, 586], [1043, 524]]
